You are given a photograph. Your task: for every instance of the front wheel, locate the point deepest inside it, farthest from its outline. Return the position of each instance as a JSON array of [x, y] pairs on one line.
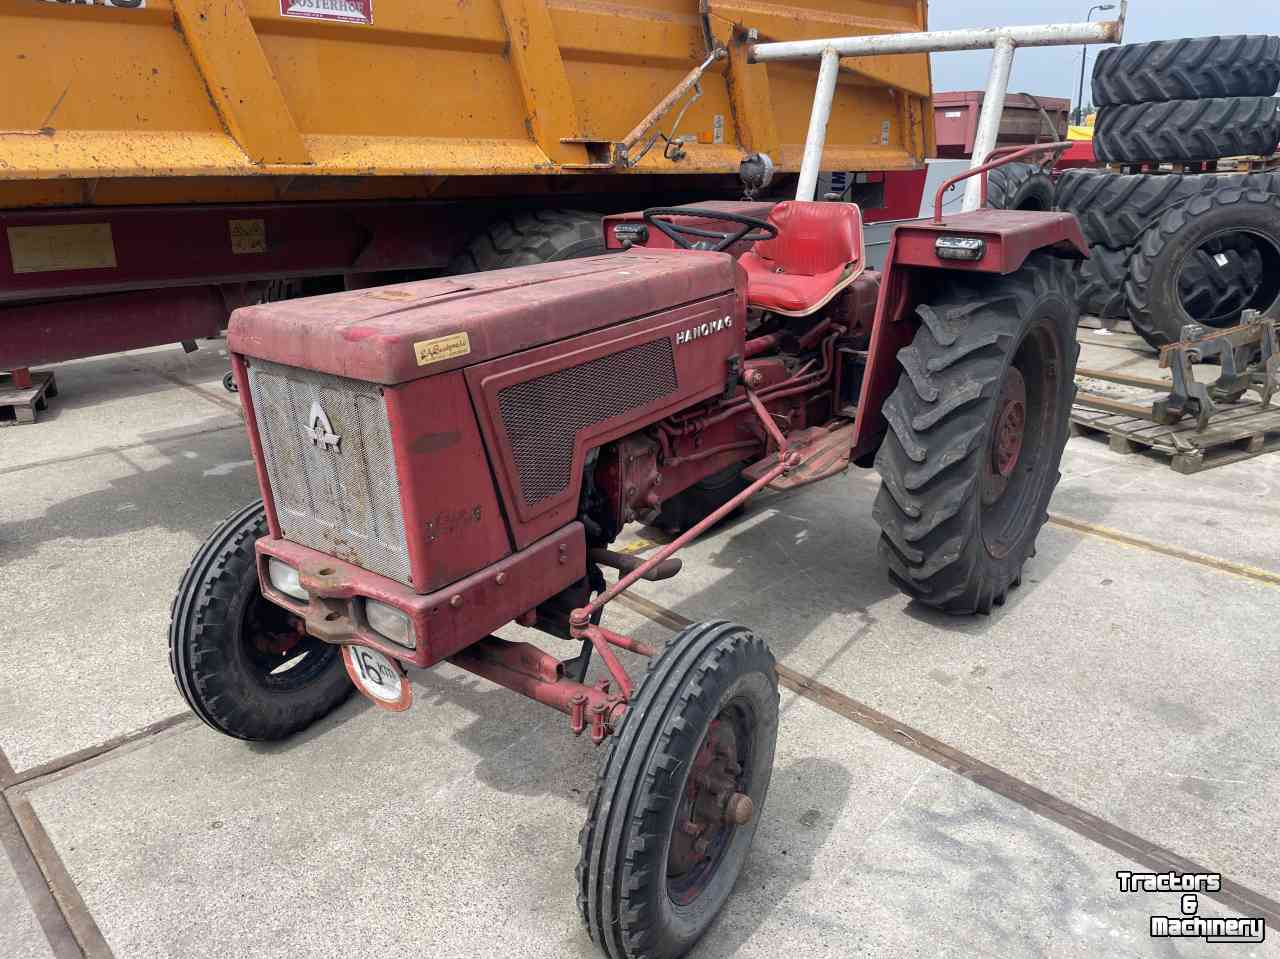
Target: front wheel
[[977, 426], [683, 785], [244, 665]]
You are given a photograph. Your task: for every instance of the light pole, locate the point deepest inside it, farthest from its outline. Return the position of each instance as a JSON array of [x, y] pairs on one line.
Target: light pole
[[1084, 49]]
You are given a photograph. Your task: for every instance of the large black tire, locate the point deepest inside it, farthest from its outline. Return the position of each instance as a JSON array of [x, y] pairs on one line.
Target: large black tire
[[1019, 186], [1196, 68], [1219, 279], [1114, 209], [534, 236], [226, 679], [1187, 130], [688, 507], [1155, 299], [1100, 283], [965, 481], [638, 892]]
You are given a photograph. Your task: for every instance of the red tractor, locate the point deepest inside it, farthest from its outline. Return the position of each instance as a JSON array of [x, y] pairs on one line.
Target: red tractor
[[442, 458]]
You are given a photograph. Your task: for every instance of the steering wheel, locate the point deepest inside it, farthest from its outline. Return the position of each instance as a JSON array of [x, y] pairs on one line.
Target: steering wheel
[[679, 232]]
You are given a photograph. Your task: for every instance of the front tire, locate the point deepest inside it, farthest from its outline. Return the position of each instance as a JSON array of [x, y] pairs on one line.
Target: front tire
[[682, 788], [977, 426], [243, 664]]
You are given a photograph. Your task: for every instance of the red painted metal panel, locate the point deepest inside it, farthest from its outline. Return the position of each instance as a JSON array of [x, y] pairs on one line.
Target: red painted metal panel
[[453, 525], [1011, 236], [68, 329], [447, 620], [184, 245], [701, 367], [255, 442], [398, 333]]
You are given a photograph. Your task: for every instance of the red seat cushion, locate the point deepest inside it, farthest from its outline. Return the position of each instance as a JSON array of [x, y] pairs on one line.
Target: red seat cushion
[[818, 250]]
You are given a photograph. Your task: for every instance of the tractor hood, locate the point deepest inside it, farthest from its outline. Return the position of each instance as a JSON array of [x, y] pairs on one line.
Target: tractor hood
[[393, 334]]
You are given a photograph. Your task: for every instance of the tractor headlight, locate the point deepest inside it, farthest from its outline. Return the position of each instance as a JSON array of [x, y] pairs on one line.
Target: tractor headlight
[[960, 247], [285, 578], [389, 622]]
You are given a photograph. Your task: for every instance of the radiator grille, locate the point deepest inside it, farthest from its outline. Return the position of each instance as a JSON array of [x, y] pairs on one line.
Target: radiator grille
[[543, 416], [346, 502]]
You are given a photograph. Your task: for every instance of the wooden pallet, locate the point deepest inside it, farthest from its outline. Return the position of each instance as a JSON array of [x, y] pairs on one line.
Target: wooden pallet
[[20, 404], [1238, 431], [1242, 164]]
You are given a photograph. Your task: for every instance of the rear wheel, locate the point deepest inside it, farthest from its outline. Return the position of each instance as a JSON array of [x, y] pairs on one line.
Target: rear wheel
[[976, 431], [534, 236], [244, 665], [682, 788]]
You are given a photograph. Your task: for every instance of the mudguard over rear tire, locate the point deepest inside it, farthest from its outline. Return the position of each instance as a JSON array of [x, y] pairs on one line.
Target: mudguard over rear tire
[[977, 425], [244, 665]]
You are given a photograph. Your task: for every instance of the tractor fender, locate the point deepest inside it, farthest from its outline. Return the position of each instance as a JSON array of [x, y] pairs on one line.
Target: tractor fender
[[911, 274]]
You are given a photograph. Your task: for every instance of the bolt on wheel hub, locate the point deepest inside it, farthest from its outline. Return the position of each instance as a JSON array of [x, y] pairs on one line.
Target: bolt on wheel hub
[[712, 805]]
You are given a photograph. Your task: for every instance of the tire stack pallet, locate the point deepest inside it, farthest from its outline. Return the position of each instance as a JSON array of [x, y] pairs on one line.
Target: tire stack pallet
[[1174, 239]]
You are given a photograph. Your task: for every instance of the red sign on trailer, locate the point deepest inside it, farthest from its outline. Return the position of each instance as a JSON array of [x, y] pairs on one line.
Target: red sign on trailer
[[349, 11]]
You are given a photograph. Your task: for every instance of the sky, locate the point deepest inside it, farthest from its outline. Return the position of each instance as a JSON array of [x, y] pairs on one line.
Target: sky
[[1055, 71]]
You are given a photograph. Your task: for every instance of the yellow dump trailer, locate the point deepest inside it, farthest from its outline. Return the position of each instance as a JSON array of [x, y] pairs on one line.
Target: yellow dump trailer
[[163, 161]]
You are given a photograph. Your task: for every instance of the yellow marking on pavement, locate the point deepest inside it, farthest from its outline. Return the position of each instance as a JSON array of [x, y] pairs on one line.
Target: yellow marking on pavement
[[1255, 573]]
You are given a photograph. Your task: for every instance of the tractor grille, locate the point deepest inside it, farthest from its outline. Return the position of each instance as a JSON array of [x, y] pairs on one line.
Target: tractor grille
[[543, 416], [344, 502]]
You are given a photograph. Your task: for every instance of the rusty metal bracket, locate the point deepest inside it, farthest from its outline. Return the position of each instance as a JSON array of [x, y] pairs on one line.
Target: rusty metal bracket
[[1249, 360]]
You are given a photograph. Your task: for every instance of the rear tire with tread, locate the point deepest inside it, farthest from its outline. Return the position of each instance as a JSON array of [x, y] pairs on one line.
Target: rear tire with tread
[[1187, 130], [1152, 288], [1194, 68], [945, 543], [1100, 283]]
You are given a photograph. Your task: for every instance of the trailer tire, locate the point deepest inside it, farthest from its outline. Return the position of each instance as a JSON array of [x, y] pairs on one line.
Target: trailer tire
[[1194, 68], [1153, 288], [1019, 186], [977, 425], [1100, 283], [642, 891], [228, 681], [1185, 131], [529, 237]]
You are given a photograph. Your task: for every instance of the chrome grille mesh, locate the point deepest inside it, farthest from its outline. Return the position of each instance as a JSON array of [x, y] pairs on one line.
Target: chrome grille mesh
[[347, 502], [543, 416]]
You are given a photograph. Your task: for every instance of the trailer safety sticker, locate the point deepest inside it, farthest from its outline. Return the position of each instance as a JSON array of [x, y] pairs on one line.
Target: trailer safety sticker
[[248, 236], [70, 246], [348, 11], [442, 348]]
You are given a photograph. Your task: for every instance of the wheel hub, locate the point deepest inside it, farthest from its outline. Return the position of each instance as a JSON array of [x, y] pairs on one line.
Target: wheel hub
[[1006, 436], [712, 804]]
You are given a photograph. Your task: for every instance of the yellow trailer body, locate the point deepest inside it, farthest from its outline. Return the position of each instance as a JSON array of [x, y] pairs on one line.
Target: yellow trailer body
[[195, 101]]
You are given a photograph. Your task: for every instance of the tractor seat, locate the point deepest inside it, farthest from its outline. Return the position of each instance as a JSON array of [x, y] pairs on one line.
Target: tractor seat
[[816, 254]]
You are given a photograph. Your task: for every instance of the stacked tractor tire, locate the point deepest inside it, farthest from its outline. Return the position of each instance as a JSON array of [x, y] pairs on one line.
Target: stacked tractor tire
[[1171, 248]]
